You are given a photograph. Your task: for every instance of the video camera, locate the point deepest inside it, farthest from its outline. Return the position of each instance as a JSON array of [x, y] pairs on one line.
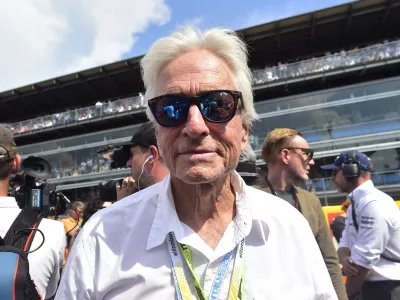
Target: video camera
[[32, 191], [119, 156]]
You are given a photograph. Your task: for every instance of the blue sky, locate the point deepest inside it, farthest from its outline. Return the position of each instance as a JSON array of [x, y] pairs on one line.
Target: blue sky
[[45, 38], [231, 14]]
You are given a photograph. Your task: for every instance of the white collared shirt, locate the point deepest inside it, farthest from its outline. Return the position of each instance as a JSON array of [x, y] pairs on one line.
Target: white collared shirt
[[121, 253], [378, 219], [45, 263]]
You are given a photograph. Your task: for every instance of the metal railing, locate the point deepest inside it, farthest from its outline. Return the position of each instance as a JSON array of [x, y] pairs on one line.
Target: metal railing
[[100, 110], [342, 60]]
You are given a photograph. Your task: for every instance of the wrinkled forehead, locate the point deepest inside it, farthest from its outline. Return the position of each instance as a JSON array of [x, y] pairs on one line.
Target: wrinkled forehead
[[194, 72]]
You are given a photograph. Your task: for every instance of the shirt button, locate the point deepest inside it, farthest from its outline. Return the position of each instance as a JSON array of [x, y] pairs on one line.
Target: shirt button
[[214, 270]]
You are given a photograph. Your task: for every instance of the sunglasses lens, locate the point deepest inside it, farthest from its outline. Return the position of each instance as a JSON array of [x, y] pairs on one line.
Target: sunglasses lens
[[217, 106], [171, 110], [311, 155]]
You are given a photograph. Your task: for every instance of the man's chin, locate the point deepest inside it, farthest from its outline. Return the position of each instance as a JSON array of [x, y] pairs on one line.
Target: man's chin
[[198, 175]]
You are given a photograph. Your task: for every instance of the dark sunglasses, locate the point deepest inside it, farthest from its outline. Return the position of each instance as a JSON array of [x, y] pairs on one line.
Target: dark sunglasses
[[308, 151], [218, 106]]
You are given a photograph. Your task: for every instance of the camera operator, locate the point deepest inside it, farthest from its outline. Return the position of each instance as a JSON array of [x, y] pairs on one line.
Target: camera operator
[[46, 262], [145, 162]]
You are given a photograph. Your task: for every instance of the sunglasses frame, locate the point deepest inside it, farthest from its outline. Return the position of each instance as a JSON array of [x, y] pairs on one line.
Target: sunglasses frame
[[309, 151], [195, 100]]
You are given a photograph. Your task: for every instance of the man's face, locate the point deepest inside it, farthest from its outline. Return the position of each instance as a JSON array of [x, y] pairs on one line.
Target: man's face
[[199, 151], [300, 162], [340, 181], [138, 158], [78, 213]]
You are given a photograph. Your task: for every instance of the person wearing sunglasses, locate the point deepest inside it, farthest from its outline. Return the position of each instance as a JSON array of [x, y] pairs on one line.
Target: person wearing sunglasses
[[289, 159], [202, 232]]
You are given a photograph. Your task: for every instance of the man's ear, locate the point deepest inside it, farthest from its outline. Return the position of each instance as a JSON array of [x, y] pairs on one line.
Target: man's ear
[[285, 156], [154, 152], [245, 136], [17, 164]]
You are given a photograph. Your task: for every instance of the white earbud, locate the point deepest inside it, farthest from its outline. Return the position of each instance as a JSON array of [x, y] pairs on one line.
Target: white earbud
[[147, 159]]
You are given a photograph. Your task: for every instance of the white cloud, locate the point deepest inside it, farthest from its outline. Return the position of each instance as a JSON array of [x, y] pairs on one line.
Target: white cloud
[[42, 39]]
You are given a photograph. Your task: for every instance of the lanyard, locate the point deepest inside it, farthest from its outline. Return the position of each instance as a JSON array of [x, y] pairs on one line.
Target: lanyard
[[181, 284], [292, 190]]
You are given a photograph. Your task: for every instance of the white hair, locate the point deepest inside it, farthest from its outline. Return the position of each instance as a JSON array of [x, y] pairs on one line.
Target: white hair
[[224, 43]]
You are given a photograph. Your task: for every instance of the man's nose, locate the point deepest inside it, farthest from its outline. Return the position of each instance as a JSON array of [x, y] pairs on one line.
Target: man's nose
[[195, 125], [129, 163]]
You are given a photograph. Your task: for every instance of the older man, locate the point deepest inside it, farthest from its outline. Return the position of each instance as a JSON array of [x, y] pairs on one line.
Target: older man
[[201, 232]]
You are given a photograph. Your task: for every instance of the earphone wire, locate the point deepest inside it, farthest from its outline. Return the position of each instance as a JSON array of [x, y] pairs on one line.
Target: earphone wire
[[141, 173]]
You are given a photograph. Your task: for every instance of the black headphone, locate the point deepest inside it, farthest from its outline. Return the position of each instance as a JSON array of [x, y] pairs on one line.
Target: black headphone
[[351, 167]]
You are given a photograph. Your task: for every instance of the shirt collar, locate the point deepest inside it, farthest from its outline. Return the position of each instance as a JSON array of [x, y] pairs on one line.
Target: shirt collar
[[8, 202], [166, 218], [362, 190]]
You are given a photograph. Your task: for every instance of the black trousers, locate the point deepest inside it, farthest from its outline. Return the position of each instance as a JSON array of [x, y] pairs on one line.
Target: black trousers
[[381, 290]]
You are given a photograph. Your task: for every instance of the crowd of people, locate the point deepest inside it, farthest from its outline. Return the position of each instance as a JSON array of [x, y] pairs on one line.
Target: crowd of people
[[82, 166], [100, 109], [328, 62], [342, 59]]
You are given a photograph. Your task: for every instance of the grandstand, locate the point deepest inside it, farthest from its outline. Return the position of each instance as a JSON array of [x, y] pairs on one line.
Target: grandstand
[[332, 74]]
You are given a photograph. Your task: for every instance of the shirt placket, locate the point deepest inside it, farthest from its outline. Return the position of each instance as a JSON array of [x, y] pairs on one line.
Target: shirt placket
[[210, 272]]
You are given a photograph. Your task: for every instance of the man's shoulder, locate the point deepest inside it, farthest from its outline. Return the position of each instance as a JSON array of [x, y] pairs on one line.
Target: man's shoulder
[[137, 199], [311, 198], [52, 228], [378, 202], [53, 224], [375, 197], [305, 193], [382, 195], [266, 205]]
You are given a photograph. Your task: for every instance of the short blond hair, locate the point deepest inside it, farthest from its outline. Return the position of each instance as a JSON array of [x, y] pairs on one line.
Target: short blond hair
[[275, 141]]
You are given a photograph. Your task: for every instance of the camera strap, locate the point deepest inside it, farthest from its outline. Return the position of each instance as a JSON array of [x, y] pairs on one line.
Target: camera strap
[[20, 234]]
